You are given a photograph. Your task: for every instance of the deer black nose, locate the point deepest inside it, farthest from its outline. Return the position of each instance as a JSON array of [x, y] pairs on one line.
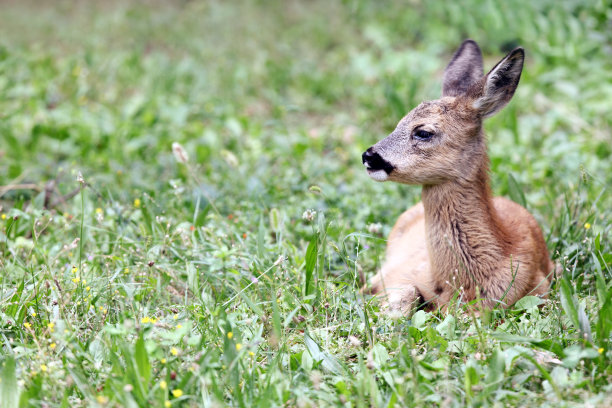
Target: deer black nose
[[373, 161]]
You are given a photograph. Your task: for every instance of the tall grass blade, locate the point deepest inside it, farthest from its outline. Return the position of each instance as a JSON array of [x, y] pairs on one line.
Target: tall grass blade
[[311, 263], [9, 392]]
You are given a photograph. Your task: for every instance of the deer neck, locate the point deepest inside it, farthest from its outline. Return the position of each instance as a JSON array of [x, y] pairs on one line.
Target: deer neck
[[464, 237]]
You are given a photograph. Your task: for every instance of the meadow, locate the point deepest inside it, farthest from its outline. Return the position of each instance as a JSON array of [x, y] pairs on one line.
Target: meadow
[[227, 272]]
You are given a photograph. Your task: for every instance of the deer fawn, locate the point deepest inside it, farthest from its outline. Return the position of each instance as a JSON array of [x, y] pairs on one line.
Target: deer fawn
[[459, 239]]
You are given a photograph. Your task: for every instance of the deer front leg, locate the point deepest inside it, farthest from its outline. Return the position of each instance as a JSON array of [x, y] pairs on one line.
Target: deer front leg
[[395, 290], [403, 300]]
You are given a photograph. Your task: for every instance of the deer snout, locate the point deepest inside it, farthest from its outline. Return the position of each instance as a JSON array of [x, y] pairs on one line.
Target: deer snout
[[377, 167]]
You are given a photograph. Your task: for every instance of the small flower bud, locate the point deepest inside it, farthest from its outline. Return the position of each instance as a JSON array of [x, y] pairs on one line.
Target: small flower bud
[[179, 153]]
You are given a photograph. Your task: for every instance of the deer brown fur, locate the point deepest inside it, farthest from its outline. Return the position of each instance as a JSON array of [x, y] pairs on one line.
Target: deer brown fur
[[459, 240]]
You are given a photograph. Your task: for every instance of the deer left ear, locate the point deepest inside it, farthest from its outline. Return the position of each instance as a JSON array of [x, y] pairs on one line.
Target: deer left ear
[[500, 84], [464, 70]]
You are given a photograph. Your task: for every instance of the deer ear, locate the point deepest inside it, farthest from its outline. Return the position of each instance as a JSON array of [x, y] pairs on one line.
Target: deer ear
[[500, 84], [464, 70]]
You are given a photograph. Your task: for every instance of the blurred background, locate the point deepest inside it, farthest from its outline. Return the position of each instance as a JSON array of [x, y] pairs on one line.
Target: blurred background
[[297, 86]]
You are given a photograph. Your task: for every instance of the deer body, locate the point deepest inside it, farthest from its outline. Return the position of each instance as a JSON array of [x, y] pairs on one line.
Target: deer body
[[459, 240]]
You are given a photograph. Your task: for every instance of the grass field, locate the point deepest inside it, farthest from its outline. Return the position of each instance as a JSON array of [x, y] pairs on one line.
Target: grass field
[[131, 277]]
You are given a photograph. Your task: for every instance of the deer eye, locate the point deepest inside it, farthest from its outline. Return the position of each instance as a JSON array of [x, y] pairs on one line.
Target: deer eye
[[421, 134]]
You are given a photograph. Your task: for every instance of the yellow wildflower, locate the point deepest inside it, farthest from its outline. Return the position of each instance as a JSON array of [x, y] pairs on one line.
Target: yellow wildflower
[[600, 350], [27, 325], [50, 325], [145, 320], [52, 346], [88, 288], [251, 353], [163, 385], [76, 280], [43, 368], [4, 216], [33, 314], [75, 269], [238, 346], [167, 404], [99, 210], [230, 335], [177, 393], [175, 317], [101, 399], [179, 326], [587, 226], [174, 351], [163, 361], [137, 203]]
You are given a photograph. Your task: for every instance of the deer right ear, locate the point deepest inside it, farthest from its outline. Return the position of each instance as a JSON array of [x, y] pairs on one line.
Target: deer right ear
[[464, 70]]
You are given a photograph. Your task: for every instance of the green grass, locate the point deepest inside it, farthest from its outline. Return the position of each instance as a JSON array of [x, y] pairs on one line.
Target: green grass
[[122, 289]]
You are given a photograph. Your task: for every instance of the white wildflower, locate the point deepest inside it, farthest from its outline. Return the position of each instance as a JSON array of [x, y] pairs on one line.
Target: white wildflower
[[375, 228], [354, 341], [309, 215]]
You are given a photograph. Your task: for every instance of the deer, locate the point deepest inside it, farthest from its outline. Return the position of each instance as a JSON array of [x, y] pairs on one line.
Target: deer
[[458, 243]]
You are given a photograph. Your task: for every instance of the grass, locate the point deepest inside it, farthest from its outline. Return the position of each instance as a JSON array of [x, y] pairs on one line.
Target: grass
[[134, 278]]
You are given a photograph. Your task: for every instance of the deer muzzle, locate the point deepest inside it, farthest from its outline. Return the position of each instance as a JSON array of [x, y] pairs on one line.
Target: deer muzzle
[[377, 167]]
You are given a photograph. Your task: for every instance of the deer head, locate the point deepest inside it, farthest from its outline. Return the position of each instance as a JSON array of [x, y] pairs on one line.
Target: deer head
[[442, 140]]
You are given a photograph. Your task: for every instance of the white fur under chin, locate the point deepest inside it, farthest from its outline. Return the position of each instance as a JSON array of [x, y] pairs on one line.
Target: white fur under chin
[[378, 175]]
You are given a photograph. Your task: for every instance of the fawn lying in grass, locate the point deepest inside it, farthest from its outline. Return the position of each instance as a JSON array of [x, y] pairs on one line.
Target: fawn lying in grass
[[459, 239]]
